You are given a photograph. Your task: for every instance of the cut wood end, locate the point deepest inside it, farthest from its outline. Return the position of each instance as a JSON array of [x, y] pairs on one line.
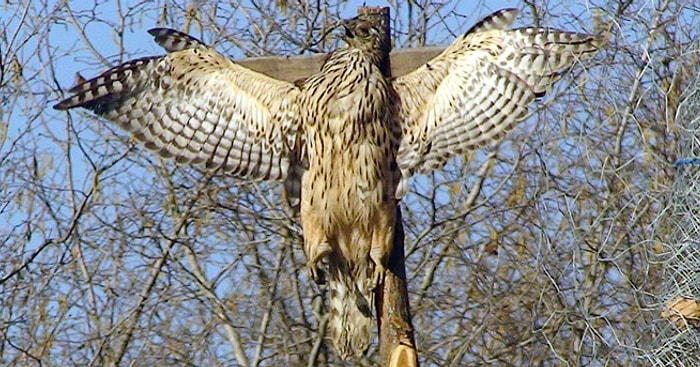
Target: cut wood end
[[403, 356]]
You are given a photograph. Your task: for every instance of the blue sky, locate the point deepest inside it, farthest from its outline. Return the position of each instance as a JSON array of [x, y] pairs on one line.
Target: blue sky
[[50, 129], [100, 49]]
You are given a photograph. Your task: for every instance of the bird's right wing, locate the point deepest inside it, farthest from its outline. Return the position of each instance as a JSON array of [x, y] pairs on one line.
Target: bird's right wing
[[197, 106], [479, 87]]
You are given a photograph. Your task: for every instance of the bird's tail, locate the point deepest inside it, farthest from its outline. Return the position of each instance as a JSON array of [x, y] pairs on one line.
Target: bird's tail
[[351, 304]]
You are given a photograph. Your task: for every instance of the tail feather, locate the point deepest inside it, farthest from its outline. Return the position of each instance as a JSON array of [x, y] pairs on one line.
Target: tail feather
[[351, 304]]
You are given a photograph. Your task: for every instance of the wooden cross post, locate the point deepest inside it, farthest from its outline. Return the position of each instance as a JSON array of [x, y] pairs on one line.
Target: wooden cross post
[[397, 345], [293, 68]]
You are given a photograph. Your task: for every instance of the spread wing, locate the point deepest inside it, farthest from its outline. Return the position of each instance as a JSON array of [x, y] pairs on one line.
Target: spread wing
[[479, 87], [197, 106]]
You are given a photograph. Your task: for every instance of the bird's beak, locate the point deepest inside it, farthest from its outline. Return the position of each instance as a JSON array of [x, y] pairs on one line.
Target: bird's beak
[[347, 25]]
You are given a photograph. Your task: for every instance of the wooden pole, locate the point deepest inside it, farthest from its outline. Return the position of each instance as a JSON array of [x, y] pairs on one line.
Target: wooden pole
[[397, 346], [397, 343]]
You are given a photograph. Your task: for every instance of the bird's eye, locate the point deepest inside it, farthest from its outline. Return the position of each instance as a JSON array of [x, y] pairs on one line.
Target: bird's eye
[[362, 30]]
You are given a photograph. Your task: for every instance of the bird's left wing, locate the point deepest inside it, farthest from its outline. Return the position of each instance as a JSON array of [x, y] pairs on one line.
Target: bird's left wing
[[197, 106], [479, 87]]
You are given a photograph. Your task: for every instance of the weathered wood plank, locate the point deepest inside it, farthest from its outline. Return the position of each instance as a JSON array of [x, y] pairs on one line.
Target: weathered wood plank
[[292, 68]]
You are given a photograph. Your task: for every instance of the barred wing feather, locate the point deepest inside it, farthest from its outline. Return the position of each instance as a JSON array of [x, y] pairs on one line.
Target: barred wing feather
[[197, 106], [479, 87]]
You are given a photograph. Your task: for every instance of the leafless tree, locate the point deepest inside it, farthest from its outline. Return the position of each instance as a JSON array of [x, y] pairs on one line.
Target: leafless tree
[[542, 251]]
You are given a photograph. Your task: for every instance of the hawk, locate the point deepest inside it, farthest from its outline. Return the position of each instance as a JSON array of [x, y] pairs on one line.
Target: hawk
[[344, 141]]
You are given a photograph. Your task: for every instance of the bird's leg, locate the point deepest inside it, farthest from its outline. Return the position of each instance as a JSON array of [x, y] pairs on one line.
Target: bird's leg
[[379, 268], [316, 244], [382, 243], [315, 254]]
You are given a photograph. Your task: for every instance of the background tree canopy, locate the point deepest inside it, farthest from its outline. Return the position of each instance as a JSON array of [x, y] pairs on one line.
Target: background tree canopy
[[110, 256]]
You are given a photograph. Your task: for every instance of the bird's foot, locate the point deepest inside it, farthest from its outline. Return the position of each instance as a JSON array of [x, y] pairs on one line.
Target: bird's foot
[[317, 274], [377, 277], [315, 257], [379, 256]]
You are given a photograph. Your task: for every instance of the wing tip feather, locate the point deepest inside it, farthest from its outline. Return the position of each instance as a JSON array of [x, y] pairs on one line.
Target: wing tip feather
[[173, 40], [499, 19]]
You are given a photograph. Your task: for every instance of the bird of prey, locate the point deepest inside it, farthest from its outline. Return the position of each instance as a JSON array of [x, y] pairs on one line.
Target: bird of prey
[[345, 140]]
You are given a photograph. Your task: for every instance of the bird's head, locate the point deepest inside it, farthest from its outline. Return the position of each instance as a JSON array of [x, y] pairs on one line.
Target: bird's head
[[362, 34]]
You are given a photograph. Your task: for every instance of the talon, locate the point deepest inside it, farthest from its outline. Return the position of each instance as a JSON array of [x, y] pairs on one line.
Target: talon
[[317, 274], [315, 259], [377, 277]]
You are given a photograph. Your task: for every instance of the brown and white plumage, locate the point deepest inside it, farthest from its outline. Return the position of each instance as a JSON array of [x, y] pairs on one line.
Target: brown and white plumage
[[348, 203], [479, 87], [197, 106], [345, 140]]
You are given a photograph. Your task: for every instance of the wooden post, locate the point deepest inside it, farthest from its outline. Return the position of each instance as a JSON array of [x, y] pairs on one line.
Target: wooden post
[[397, 343], [397, 346]]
